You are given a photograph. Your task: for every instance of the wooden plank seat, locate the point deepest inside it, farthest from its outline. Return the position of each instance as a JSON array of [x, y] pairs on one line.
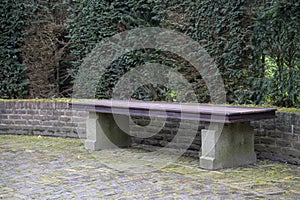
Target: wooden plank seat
[[227, 140]]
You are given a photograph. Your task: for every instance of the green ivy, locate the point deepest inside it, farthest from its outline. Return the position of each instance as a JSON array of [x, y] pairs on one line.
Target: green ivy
[[255, 44], [13, 80], [92, 21], [219, 26], [224, 29], [277, 53]]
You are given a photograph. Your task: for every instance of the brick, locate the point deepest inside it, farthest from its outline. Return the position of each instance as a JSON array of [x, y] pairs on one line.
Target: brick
[[260, 133], [158, 137], [273, 149], [259, 147], [283, 117], [3, 117], [47, 123], [72, 134], [267, 141], [14, 117], [142, 122], [151, 142], [195, 147], [59, 124], [27, 117], [168, 137], [32, 112], [289, 137], [296, 145], [171, 125], [283, 143], [20, 112], [78, 119], [34, 122], [274, 134], [64, 119], [296, 119], [69, 113], [169, 130], [283, 128], [20, 122], [46, 112], [297, 130], [257, 140], [39, 117], [271, 126], [71, 124], [59, 133], [38, 131], [291, 152], [58, 112], [255, 124], [6, 121]]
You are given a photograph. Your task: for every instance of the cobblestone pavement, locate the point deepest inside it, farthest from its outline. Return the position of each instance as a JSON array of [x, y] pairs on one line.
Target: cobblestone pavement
[[56, 168]]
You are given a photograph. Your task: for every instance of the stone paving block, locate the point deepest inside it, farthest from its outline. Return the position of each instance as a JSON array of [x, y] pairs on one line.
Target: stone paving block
[[56, 168]]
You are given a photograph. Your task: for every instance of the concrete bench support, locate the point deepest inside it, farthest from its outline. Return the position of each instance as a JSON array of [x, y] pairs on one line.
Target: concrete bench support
[[232, 146], [103, 133]]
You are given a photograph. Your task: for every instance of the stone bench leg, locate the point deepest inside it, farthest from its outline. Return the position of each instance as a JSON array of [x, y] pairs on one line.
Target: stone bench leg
[[102, 132], [231, 147]]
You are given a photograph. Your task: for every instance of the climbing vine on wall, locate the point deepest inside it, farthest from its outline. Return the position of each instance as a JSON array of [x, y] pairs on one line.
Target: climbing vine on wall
[[276, 59], [255, 45], [13, 80]]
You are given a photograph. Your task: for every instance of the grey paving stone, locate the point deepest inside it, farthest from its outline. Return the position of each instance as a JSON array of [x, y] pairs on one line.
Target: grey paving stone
[[57, 168]]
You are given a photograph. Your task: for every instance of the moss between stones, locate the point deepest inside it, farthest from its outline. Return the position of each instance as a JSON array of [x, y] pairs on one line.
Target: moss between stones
[[267, 178]]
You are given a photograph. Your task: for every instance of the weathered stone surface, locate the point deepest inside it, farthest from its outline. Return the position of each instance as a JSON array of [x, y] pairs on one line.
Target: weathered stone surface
[[231, 147], [56, 168], [103, 132]]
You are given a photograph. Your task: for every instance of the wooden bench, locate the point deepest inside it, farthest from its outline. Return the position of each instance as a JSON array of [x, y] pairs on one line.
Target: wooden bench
[[227, 140]]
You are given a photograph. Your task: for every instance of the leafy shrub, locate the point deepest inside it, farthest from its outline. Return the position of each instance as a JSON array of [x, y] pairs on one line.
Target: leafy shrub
[[13, 80], [255, 45], [224, 29], [45, 50], [276, 60], [219, 26]]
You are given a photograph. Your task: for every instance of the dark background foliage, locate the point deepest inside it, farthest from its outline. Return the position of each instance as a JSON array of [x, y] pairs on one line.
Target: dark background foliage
[[13, 80], [255, 46]]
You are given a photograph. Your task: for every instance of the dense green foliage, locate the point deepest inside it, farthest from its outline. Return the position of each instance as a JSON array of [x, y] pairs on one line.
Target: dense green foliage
[[13, 80], [276, 40], [92, 21], [34, 49], [224, 29], [255, 45]]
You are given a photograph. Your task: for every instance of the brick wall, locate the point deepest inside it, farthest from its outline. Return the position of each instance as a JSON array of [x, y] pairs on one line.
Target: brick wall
[[41, 118], [279, 139], [276, 139], [162, 134]]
